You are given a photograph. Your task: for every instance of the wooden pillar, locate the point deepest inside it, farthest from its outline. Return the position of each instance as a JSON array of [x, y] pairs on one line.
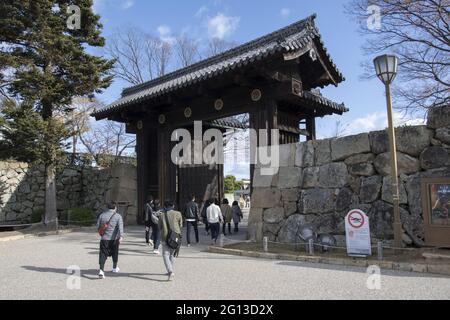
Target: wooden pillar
[[311, 128], [142, 170], [264, 117]]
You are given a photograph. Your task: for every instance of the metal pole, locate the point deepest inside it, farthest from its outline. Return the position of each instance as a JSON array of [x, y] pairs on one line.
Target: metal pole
[[266, 244], [311, 246], [397, 225], [380, 250]]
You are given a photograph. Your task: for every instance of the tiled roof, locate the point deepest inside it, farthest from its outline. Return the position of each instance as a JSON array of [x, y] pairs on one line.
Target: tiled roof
[[228, 123], [317, 98], [289, 39]]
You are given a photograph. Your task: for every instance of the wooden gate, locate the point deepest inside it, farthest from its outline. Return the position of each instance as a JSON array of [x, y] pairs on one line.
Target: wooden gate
[[203, 181]]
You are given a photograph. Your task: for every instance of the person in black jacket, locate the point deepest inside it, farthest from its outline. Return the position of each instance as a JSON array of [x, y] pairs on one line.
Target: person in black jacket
[[191, 218], [148, 211]]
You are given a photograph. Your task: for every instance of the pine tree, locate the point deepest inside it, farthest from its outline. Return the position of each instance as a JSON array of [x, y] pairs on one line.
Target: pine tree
[[44, 64]]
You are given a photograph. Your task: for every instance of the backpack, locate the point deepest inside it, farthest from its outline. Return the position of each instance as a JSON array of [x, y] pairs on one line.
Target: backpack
[[173, 239]]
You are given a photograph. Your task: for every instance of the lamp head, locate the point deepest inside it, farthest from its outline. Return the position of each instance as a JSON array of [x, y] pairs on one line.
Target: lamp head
[[386, 68]]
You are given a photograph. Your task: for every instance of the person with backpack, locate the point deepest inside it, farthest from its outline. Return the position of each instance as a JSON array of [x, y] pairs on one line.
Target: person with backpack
[[237, 215], [214, 215], [110, 228], [148, 211], [170, 224], [191, 218]]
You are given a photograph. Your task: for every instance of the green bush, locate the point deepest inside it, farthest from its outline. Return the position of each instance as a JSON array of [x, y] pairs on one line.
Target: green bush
[[37, 216], [80, 217]]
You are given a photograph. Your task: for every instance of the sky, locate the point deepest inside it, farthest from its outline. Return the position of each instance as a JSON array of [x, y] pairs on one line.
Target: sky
[[242, 21]]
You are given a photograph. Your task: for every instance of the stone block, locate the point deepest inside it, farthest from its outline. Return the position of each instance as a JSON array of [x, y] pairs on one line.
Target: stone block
[[333, 175], [290, 177], [345, 147]]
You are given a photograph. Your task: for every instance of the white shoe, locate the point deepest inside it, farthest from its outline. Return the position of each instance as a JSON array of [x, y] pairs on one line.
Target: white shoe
[[156, 252], [171, 276], [101, 274], [116, 270]]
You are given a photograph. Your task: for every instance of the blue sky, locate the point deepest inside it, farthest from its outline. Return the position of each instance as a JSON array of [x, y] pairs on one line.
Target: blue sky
[[242, 21]]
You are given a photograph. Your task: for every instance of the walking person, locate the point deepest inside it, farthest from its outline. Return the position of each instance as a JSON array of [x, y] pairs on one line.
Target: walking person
[[156, 232], [148, 211], [170, 222], [204, 216], [110, 228], [214, 216], [191, 217], [227, 216], [237, 215]]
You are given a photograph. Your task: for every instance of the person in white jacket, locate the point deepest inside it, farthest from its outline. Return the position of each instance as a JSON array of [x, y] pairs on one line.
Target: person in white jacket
[[214, 216]]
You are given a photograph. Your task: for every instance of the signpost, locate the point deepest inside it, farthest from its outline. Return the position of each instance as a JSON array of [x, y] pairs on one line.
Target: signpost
[[357, 234]]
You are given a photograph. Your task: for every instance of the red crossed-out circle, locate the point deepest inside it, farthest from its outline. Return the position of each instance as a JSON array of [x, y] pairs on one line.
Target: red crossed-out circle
[[359, 220]]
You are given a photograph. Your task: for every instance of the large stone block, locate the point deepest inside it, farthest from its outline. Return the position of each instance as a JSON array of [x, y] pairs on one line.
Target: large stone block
[[412, 140], [290, 195], [438, 117], [290, 208], [344, 199], [287, 155], [361, 169], [304, 155], [311, 177], [360, 158], [370, 189], [317, 201], [333, 175], [406, 164], [289, 231], [290, 177], [386, 194], [265, 197], [443, 134], [274, 215], [322, 152], [345, 147], [261, 181], [434, 157]]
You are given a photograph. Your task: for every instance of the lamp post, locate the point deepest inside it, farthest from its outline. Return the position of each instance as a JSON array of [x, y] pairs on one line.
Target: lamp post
[[386, 69]]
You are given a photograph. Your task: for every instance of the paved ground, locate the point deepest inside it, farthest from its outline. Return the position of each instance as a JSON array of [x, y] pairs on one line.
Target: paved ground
[[36, 269]]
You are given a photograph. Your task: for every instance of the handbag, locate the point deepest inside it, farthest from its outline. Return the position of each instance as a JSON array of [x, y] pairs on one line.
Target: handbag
[[173, 239], [104, 227]]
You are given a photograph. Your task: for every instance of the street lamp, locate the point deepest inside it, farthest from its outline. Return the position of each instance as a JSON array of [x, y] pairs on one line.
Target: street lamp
[[386, 69]]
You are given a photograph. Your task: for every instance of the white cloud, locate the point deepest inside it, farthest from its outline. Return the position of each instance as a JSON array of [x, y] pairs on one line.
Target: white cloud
[[378, 121], [201, 12], [126, 4], [221, 25], [165, 34], [285, 12]]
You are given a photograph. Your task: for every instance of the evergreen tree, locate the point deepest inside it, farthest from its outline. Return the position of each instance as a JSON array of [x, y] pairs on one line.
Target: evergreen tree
[[44, 64]]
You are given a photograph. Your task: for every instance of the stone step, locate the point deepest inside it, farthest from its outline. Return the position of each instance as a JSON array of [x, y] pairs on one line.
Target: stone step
[[436, 255]]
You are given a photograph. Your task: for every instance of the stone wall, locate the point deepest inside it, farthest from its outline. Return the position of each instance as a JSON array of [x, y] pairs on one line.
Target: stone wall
[[319, 182], [22, 189]]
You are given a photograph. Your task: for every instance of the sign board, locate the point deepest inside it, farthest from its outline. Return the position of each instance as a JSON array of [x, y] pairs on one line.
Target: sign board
[[357, 234]]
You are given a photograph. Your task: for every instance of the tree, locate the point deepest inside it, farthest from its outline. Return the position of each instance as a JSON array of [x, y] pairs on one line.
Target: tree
[[78, 119], [139, 56], [418, 33], [45, 65], [217, 46], [107, 138], [187, 50]]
